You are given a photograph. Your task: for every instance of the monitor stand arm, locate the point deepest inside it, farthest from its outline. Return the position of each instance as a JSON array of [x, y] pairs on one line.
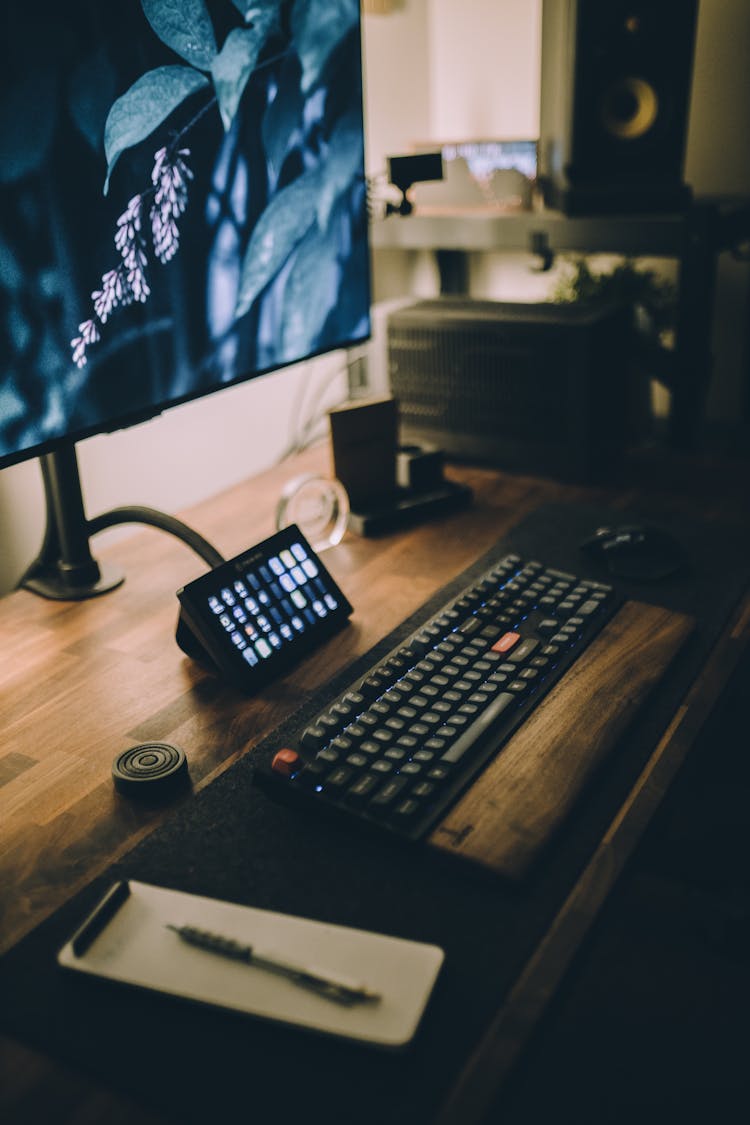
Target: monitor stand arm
[[65, 569]]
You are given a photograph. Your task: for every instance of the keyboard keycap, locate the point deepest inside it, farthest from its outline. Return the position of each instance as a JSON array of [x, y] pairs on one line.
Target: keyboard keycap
[[439, 772], [362, 787], [372, 686], [527, 648], [506, 642], [382, 765], [400, 743], [314, 738], [479, 727], [286, 762], [311, 775], [406, 809], [339, 777], [388, 793]]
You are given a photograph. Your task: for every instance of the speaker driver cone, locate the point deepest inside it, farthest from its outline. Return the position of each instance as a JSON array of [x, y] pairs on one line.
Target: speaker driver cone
[[629, 108]]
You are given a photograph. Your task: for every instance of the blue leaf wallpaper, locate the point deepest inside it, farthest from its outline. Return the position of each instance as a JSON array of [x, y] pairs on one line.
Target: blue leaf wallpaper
[[182, 203]]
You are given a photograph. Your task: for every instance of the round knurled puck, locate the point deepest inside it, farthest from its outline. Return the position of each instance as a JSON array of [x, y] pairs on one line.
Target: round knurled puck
[[150, 770]]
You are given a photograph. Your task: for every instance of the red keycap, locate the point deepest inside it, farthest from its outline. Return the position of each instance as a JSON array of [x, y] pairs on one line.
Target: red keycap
[[506, 642], [286, 762]]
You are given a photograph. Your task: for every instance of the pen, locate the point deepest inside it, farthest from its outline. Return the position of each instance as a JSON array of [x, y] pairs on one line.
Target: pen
[[336, 989]]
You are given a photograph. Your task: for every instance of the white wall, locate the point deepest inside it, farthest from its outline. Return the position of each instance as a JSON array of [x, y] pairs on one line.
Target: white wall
[[444, 70], [396, 60], [484, 69], [450, 70], [483, 73], [177, 459]]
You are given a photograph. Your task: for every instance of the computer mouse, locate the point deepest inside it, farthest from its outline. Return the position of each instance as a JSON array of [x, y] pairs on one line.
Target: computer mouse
[[636, 551]]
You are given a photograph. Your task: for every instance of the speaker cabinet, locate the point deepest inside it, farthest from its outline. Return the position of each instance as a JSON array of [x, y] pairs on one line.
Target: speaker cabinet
[[531, 388], [614, 102]]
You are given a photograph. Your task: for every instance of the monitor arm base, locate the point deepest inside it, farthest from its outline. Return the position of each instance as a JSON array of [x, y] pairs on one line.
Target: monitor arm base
[[65, 569]]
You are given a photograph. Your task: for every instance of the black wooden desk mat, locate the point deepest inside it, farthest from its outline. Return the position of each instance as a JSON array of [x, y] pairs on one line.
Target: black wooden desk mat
[[232, 842]]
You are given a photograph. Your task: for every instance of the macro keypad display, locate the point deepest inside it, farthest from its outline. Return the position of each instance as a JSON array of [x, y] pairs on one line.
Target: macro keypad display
[[255, 614]]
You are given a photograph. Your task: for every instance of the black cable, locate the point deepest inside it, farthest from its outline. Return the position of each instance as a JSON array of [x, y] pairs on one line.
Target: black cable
[[155, 518]]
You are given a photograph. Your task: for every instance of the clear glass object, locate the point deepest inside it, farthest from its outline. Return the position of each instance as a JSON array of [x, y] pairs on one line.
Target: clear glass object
[[318, 505]]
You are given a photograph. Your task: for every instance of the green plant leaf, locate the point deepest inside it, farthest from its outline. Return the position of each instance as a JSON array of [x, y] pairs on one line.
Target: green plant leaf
[[342, 166], [235, 63], [185, 26], [143, 107], [13, 407], [283, 224], [282, 120], [11, 274], [310, 293], [91, 88], [317, 27]]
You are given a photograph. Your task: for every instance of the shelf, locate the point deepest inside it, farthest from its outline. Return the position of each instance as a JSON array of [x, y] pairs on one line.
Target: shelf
[[471, 229]]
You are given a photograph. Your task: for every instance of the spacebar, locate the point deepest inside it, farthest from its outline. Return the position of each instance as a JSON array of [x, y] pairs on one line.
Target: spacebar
[[479, 727]]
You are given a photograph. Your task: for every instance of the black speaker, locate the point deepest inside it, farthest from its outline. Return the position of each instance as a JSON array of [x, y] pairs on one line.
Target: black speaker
[[614, 103]]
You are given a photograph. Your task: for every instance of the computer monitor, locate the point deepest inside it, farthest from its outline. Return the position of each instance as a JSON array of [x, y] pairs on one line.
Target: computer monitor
[[182, 207]]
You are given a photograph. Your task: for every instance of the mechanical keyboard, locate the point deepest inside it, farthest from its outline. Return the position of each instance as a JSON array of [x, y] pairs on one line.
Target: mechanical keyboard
[[398, 746]]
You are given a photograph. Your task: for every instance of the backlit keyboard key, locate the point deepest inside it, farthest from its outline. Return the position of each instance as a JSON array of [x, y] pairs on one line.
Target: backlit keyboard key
[[426, 717], [506, 642]]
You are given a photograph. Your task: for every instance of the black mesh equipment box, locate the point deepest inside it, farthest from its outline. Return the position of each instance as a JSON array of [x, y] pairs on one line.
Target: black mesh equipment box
[[538, 388]]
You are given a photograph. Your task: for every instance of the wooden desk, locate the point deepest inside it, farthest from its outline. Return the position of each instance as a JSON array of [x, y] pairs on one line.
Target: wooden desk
[[82, 681]]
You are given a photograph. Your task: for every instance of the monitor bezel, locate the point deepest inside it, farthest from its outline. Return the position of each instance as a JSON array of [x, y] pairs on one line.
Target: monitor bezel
[[142, 414]]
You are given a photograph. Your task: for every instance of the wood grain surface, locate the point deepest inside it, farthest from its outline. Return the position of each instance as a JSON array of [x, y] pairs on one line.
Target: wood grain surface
[[492, 1062], [522, 797], [79, 682], [82, 681]]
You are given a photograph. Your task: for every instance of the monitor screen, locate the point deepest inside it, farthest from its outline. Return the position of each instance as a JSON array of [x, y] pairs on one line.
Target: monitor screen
[[182, 203]]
